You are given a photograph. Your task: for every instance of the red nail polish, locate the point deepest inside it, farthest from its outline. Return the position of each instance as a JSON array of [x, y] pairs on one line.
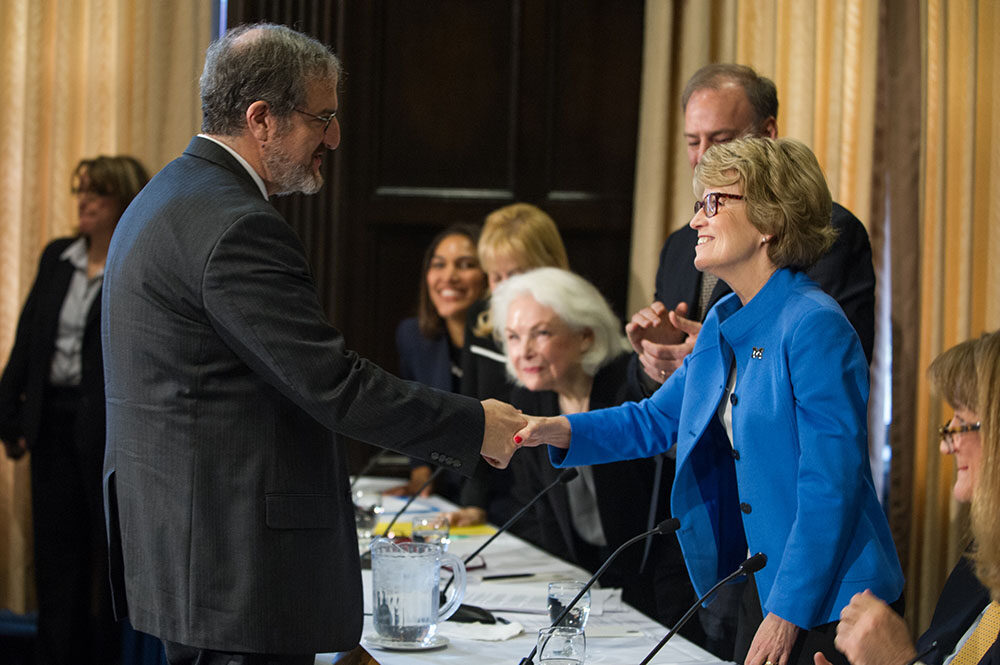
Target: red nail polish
[[517, 439]]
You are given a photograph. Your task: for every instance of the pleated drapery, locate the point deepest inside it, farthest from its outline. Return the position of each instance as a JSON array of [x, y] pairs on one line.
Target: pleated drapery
[[80, 79]]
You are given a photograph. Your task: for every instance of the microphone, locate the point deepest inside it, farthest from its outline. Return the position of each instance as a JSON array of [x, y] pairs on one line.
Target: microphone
[[564, 477], [468, 613], [372, 461], [751, 565], [437, 472], [668, 525]]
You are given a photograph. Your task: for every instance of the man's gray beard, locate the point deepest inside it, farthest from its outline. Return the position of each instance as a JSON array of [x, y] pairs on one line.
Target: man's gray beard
[[288, 176]]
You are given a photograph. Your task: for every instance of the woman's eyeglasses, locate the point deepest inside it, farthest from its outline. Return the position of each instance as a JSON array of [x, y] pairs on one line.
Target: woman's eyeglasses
[[947, 433], [711, 202]]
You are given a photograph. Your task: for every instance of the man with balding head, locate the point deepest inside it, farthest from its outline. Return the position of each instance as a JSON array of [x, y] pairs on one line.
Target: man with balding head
[[228, 503], [722, 102]]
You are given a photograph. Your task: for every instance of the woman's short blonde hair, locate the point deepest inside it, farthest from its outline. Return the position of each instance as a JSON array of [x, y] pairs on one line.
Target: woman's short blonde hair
[[525, 232], [785, 192], [522, 232], [968, 376]]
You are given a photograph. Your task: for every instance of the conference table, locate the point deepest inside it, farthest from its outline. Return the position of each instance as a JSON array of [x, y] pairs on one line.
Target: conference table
[[616, 633]]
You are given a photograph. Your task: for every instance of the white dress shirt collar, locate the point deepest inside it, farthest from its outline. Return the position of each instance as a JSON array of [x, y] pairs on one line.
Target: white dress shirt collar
[[253, 174]]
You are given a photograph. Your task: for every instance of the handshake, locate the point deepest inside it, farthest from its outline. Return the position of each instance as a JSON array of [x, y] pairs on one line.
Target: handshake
[[507, 429]]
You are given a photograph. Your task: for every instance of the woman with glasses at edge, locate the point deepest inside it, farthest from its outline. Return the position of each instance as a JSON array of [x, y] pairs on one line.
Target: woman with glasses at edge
[[52, 403], [967, 376], [768, 413]]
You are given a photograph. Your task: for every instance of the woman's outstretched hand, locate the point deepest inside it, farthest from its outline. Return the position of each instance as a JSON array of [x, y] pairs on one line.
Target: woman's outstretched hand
[[554, 431]]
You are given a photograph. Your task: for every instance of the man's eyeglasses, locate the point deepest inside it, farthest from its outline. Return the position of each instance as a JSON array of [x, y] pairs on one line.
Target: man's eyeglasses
[[948, 433], [711, 202], [325, 119]]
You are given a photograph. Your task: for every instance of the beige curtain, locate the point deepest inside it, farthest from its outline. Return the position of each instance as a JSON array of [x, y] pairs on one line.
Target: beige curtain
[[821, 56], [897, 100], [80, 78], [958, 227]]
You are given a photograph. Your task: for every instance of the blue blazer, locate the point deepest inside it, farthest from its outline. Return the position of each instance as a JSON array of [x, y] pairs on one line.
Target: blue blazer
[[796, 485]]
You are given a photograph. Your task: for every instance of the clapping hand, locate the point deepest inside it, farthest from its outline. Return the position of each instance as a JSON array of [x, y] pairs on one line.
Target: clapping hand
[[871, 633], [662, 338]]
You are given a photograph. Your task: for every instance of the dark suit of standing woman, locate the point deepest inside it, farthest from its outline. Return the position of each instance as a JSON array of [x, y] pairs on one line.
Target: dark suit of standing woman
[[52, 403]]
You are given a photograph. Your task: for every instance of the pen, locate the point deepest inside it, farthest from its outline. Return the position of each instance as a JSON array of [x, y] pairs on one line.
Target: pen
[[509, 576]]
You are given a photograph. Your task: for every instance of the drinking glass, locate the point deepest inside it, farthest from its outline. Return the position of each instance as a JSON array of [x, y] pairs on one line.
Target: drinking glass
[[367, 509], [562, 594], [432, 530], [562, 645]]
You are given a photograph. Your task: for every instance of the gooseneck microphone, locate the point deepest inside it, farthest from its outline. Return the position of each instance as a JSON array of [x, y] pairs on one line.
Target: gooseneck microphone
[[372, 461], [437, 472], [668, 525], [563, 478], [751, 565]]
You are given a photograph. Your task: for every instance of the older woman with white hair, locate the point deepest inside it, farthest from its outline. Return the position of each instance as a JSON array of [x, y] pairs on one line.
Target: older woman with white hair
[[567, 353]]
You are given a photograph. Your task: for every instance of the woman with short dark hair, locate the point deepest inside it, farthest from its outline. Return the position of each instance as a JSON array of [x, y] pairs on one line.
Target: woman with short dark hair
[[52, 403]]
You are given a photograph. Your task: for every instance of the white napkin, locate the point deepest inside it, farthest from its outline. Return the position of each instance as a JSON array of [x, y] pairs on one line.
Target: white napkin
[[487, 632]]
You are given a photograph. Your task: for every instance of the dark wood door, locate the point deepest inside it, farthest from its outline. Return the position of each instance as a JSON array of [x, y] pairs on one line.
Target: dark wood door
[[450, 109]]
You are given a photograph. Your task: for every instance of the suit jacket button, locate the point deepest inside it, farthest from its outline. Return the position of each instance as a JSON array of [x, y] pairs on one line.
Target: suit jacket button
[[435, 456], [736, 454], [458, 463], [745, 507], [733, 399]]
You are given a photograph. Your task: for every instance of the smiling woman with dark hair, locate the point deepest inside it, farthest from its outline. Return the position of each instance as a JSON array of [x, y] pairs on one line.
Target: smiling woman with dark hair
[[768, 414], [430, 343], [52, 403]]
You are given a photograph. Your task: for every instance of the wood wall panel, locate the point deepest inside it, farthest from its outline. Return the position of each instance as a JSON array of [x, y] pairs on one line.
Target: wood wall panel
[[450, 109]]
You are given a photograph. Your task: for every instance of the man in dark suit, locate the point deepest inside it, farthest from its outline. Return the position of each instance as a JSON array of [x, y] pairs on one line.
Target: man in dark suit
[[722, 102], [229, 514]]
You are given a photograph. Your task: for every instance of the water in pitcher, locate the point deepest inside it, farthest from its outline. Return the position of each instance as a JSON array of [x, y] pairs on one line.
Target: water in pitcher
[[406, 598]]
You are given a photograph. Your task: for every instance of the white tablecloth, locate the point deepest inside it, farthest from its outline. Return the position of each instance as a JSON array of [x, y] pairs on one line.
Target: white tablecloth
[[634, 634]]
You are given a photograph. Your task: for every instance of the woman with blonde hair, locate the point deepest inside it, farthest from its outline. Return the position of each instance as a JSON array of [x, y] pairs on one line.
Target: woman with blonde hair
[[967, 376], [768, 414], [514, 239]]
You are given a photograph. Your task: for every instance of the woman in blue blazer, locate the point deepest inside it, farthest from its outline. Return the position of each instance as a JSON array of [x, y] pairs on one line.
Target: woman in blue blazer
[[768, 414], [430, 344]]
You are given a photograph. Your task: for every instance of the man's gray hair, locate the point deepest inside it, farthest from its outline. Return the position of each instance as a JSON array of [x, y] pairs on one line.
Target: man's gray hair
[[260, 62], [574, 300], [760, 90]]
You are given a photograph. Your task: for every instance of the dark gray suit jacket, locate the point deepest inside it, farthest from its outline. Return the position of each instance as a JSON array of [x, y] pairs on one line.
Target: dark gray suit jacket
[[228, 505]]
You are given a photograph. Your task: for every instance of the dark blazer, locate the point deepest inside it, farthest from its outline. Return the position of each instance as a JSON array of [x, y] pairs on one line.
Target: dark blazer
[[22, 387], [428, 361], [421, 359], [845, 273], [483, 374], [960, 603], [227, 494]]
